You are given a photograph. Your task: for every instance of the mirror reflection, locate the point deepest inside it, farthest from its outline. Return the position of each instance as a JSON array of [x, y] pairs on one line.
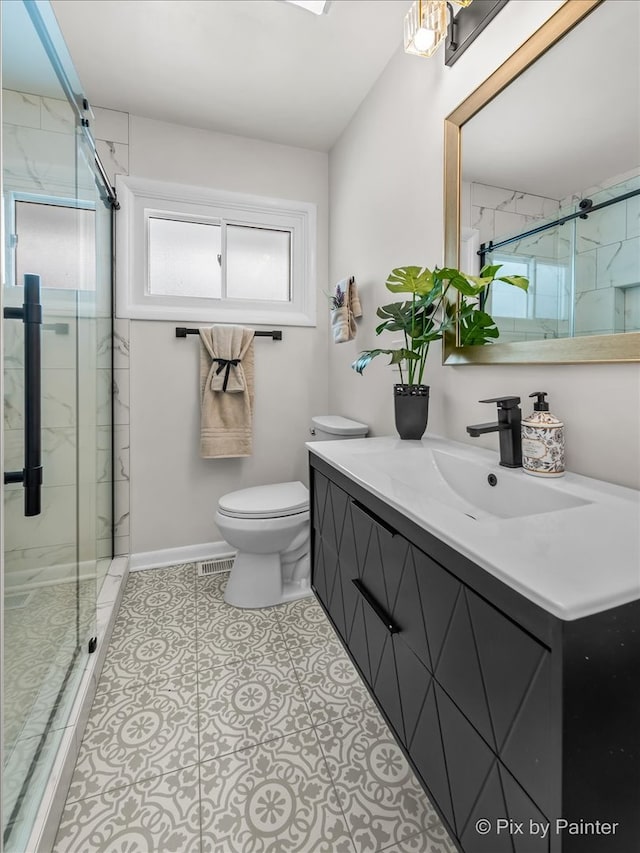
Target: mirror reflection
[[551, 185]]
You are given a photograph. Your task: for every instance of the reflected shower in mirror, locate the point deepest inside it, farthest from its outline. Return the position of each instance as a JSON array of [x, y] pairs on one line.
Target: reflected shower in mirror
[[551, 185]]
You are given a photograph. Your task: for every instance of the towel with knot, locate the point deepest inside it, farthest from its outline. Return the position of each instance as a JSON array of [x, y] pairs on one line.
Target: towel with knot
[[345, 308], [226, 391]]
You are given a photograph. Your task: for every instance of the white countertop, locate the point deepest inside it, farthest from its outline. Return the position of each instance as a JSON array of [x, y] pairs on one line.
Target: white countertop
[[572, 562]]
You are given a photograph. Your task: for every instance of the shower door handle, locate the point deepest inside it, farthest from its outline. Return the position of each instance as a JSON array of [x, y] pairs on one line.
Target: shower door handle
[[31, 474]]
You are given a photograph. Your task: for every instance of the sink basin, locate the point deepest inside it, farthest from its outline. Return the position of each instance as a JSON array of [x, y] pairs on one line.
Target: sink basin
[[515, 493], [551, 540], [460, 481]]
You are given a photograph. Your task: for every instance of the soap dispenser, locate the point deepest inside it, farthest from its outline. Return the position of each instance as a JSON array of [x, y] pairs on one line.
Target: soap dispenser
[[542, 440]]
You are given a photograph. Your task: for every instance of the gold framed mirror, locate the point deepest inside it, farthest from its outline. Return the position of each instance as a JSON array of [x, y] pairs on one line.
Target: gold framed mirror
[[566, 341]]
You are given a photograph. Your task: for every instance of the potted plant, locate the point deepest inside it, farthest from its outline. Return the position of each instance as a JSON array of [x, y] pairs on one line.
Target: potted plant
[[424, 318]]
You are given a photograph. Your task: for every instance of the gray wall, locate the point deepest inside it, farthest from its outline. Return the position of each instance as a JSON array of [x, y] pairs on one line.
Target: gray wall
[[173, 491], [386, 179]]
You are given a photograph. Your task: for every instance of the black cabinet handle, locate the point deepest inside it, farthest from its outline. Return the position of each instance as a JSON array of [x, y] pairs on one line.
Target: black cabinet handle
[[373, 517], [391, 627], [31, 475]]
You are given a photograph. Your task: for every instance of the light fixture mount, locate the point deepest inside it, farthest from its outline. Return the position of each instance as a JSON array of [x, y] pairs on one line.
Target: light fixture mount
[[428, 22], [465, 27]]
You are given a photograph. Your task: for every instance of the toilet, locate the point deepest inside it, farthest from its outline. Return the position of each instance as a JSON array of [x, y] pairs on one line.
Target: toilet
[[269, 528]]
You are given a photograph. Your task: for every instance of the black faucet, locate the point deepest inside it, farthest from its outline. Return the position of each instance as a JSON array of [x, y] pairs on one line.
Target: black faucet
[[508, 428]]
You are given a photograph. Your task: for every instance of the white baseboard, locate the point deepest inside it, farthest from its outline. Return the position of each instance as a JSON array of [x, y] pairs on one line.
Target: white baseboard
[[184, 554]]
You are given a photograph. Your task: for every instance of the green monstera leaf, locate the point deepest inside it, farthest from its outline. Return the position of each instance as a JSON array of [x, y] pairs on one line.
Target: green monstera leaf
[[429, 312], [397, 357], [476, 327], [516, 280], [418, 280], [396, 316]]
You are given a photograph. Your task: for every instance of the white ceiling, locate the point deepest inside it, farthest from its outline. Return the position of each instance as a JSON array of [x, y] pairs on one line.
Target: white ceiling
[[257, 68]]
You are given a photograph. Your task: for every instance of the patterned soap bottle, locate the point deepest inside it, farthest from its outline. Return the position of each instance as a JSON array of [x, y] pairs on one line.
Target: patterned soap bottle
[[542, 440]]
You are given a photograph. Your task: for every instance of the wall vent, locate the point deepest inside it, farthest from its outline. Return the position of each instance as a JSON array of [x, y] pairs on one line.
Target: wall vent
[[213, 567]]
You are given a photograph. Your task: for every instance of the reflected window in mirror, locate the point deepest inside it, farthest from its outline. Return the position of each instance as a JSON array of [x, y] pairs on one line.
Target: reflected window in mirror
[[541, 312]]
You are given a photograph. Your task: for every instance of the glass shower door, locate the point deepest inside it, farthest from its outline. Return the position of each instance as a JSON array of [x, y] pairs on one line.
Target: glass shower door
[[56, 226], [46, 604]]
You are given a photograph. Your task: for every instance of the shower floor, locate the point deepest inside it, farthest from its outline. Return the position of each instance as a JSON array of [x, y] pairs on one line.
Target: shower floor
[[41, 672], [217, 730]]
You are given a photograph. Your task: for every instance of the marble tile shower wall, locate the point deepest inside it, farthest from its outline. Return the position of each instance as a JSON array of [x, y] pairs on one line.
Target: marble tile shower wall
[[607, 252], [55, 530], [608, 259], [111, 132], [39, 156], [506, 212]]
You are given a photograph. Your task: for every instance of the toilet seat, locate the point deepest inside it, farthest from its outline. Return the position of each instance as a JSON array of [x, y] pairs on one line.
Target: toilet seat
[[274, 501]]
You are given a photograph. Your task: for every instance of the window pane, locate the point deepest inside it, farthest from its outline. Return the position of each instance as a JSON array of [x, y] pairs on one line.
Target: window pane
[[551, 292], [183, 258], [57, 243], [504, 299], [258, 263]]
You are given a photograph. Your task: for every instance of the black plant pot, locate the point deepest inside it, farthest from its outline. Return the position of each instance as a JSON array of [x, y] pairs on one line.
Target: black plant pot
[[412, 410]]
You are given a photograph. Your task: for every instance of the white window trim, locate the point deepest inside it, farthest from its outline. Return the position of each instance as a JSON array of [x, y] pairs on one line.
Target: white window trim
[[140, 197]]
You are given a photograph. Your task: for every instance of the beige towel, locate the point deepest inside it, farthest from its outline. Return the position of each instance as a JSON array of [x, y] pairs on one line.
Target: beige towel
[[353, 300], [226, 391], [343, 324]]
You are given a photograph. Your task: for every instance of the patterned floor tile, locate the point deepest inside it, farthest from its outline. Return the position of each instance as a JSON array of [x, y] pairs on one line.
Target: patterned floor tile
[[227, 633], [145, 650], [181, 576], [189, 678], [377, 790], [161, 814], [248, 703], [31, 757], [304, 623], [434, 840], [46, 620], [273, 798], [137, 734], [166, 603], [330, 683]]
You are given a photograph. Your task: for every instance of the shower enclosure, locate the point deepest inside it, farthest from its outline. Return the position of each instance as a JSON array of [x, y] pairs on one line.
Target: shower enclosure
[[582, 264], [57, 413]]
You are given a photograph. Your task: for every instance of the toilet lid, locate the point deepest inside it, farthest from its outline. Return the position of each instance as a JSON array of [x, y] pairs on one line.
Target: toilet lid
[[337, 425], [272, 501]]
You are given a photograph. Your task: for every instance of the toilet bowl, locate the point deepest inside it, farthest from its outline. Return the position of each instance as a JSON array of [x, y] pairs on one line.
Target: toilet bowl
[[269, 528]]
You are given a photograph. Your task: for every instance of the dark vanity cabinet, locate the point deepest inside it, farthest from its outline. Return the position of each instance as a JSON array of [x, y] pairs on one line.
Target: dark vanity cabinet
[[505, 712]]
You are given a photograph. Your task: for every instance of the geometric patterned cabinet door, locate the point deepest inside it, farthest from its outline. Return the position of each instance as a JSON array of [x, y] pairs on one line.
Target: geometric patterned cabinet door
[[433, 654], [497, 723]]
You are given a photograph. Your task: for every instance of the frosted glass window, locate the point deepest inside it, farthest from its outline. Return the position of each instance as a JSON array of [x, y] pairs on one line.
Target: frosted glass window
[[504, 299], [203, 255], [551, 292], [57, 243], [184, 258], [258, 263]]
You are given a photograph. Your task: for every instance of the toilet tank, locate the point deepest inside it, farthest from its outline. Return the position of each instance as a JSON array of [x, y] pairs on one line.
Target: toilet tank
[[334, 427]]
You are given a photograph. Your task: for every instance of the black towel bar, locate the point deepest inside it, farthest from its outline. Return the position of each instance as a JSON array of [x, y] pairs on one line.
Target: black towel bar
[[274, 334]]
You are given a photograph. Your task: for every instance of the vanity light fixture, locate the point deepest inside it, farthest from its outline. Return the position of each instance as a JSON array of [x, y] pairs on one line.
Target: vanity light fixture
[[426, 25]]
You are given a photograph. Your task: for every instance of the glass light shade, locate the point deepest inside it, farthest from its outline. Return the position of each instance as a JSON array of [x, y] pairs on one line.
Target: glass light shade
[[425, 26]]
